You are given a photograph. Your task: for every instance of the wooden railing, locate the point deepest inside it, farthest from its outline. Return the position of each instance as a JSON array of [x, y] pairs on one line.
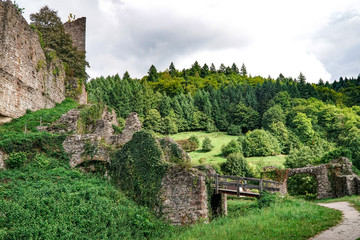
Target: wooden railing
[[244, 186]]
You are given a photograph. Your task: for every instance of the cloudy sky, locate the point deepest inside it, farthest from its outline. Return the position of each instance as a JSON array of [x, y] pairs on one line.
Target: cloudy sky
[[319, 38]]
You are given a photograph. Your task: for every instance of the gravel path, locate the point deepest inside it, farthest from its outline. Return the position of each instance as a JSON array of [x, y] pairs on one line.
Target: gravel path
[[347, 229]]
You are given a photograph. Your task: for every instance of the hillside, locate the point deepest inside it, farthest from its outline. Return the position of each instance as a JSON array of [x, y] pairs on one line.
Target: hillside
[[94, 160]]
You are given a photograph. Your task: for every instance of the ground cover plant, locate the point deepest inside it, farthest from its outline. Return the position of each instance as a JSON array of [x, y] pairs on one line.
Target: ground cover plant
[[52, 201]]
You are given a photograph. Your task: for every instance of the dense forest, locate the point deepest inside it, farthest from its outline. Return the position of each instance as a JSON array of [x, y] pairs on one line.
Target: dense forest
[[312, 122]]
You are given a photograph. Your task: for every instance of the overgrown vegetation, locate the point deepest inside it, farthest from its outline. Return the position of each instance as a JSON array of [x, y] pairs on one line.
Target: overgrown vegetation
[[54, 202], [138, 169]]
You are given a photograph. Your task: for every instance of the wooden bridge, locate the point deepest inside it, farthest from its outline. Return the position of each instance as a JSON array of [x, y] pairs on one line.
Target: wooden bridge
[[244, 186]]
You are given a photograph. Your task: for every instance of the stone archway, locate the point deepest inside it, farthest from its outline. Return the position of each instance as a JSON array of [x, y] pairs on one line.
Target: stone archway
[[334, 179], [320, 173]]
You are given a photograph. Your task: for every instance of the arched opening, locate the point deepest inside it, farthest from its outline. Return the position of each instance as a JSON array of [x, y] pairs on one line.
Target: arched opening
[[302, 184]]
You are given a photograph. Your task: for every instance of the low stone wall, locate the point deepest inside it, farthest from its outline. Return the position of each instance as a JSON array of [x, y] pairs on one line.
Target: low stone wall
[[184, 196]]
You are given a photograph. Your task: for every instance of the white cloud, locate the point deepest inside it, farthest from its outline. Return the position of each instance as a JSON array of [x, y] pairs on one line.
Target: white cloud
[[270, 37]]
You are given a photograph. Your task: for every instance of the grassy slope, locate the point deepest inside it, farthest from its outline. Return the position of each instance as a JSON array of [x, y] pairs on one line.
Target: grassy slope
[[59, 203], [32, 119], [287, 219], [218, 139]]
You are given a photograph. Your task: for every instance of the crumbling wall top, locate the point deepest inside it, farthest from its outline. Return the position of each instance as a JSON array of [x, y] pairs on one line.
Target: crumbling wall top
[[77, 31]]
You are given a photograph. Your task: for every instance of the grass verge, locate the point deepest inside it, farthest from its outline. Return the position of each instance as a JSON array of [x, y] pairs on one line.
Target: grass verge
[[286, 219]]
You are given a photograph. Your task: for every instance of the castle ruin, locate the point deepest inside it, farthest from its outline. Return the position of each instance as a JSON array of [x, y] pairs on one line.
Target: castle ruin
[[27, 81]]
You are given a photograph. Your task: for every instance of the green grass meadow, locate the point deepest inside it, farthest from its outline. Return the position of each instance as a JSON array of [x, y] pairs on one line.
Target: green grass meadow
[[218, 139]]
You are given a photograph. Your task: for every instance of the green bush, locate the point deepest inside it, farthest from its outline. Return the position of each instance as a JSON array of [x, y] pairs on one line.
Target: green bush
[[260, 143], [236, 165], [234, 130], [338, 152], [232, 147], [206, 146], [266, 199], [194, 139], [16, 160], [187, 145]]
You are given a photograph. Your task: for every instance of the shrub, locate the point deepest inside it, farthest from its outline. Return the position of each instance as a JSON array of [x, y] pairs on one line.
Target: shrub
[[206, 146], [232, 147], [211, 127], [234, 130], [266, 199], [16, 160], [236, 165], [338, 152], [260, 143], [187, 145], [41, 161], [202, 160], [194, 139]]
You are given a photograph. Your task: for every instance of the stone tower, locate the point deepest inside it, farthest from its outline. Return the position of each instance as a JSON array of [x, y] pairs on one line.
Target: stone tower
[[77, 31]]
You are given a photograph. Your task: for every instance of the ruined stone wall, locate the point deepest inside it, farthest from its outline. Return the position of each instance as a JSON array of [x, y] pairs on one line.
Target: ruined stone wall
[[77, 31], [334, 179], [86, 147], [26, 81], [2, 160], [184, 196]]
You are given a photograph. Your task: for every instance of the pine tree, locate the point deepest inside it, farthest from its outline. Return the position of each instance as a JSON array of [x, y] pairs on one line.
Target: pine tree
[[235, 69], [172, 70], [153, 74], [212, 68], [243, 70], [204, 71]]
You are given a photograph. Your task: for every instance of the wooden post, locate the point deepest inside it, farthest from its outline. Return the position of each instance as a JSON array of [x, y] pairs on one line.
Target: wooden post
[[261, 185], [238, 187], [216, 184], [25, 127]]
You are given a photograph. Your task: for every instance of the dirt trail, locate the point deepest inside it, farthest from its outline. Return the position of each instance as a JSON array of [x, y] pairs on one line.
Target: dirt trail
[[347, 229]]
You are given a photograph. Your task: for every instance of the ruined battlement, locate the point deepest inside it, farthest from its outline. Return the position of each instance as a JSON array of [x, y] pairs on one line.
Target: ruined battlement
[[77, 31]]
